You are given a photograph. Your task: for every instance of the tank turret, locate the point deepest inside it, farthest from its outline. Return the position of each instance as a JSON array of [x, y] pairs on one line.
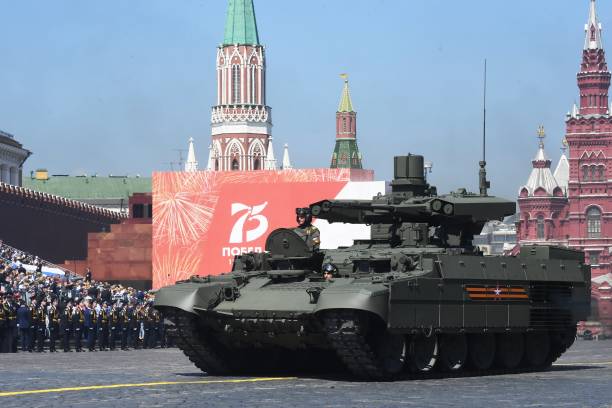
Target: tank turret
[[412, 214]]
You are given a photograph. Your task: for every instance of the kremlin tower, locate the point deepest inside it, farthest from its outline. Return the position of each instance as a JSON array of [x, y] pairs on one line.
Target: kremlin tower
[[241, 121], [573, 206], [346, 153]]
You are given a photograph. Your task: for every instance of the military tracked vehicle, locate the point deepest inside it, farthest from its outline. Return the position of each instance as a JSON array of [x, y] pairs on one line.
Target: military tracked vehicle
[[415, 298]]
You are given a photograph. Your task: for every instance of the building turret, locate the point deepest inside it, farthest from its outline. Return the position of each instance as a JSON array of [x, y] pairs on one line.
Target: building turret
[[542, 202], [561, 173], [270, 163], [241, 120], [286, 160], [346, 153], [191, 164]]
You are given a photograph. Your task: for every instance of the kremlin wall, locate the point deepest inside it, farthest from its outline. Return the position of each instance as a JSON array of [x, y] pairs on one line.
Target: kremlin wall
[[195, 221]]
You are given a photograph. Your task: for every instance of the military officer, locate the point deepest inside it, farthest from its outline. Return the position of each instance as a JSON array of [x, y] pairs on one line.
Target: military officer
[[3, 324], [126, 322], [115, 323], [53, 317], [33, 325], [91, 319], [66, 326], [11, 327], [41, 317], [103, 327], [308, 232], [78, 323]]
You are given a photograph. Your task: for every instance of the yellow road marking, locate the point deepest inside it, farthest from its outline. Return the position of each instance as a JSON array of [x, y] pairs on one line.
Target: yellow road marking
[[150, 384], [591, 363]]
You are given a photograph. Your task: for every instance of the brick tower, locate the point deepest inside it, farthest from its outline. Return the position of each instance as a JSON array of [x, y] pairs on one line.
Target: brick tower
[[241, 121], [346, 153], [589, 136]]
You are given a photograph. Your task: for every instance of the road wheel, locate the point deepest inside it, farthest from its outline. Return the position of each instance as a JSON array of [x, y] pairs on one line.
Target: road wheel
[[481, 351], [453, 352], [391, 352], [423, 353], [510, 349], [537, 349]]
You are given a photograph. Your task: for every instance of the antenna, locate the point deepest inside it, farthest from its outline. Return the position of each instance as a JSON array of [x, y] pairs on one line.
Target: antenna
[[180, 157], [483, 183]]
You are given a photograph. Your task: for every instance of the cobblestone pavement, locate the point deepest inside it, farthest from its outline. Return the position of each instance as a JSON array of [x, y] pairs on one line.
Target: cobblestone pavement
[[581, 378]]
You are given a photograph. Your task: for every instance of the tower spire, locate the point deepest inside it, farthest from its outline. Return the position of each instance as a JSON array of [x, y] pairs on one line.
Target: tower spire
[[594, 77], [286, 161], [191, 164], [346, 104], [241, 25], [346, 153], [592, 29]]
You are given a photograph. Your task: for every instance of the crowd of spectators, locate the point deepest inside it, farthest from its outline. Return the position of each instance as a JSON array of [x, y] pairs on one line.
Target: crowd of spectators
[[42, 305]]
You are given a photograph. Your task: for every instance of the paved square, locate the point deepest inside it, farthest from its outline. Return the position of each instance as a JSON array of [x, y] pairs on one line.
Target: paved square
[[165, 378]]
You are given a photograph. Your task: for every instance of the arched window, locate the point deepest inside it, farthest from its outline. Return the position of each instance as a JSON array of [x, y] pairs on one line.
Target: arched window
[[593, 222], [256, 164], [344, 125], [601, 175], [593, 173], [585, 173], [540, 226], [236, 84], [235, 165], [253, 85], [217, 164]]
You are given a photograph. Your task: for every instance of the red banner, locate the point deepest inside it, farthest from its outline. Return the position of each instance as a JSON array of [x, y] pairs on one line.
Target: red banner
[[203, 219]]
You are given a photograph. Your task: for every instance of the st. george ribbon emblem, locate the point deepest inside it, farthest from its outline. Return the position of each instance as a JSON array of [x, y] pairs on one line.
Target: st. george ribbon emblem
[[481, 292]]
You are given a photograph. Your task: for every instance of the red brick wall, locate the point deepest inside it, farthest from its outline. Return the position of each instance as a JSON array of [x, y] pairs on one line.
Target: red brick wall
[[123, 254]]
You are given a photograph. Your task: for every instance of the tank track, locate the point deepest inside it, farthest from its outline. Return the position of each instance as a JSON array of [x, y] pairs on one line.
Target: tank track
[[346, 331], [193, 345]]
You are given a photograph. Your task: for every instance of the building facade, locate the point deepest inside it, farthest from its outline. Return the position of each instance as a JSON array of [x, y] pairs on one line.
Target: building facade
[[241, 121], [573, 206], [12, 157], [346, 153]]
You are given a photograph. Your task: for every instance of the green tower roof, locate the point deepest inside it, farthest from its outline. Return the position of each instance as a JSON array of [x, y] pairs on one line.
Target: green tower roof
[[346, 105], [240, 25]]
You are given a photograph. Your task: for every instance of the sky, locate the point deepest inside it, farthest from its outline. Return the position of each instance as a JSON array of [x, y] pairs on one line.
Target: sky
[[115, 87]]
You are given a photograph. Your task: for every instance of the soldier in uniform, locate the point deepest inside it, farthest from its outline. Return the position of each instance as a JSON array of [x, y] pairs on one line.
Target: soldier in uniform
[[11, 327], [126, 322], [78, 322], [53, 316], [41, 317], [134, 326], [308, 232], [3, 324], [103, 327], [66, 326], [33, 325], [115, 324], [91, 319], [24, 322]]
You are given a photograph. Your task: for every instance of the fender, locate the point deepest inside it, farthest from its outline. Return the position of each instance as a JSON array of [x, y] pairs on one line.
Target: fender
[[375, 301], [186, 296]]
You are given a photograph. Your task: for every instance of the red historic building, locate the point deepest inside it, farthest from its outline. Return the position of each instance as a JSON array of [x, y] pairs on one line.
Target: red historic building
[[574, 206], [241, 121]]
